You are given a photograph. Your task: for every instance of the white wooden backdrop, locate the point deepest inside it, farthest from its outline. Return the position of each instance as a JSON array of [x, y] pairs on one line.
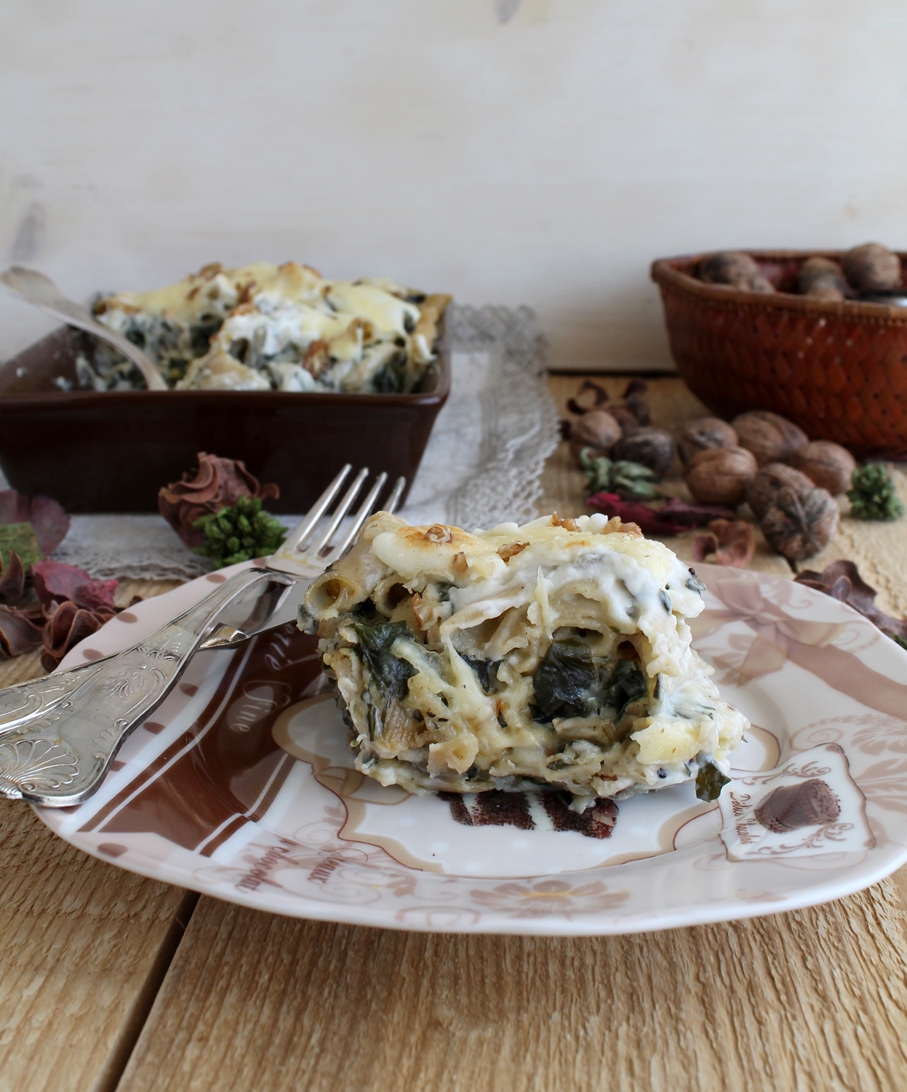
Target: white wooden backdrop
[[537, 151]]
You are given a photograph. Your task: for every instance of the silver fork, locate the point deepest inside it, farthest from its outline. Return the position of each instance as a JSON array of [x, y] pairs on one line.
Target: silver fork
[[59, 734]]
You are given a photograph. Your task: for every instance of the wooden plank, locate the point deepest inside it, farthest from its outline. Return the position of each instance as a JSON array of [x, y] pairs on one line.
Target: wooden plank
[[812, 999], [83, 947], [79, 940]]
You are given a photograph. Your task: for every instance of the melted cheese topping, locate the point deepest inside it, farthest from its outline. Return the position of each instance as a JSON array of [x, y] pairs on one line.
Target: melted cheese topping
[[264, 326], [556, 653]]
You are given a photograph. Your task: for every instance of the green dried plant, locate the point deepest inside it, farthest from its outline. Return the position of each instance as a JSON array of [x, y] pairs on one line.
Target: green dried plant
[[239, 533], [627, 479], [873, 494]]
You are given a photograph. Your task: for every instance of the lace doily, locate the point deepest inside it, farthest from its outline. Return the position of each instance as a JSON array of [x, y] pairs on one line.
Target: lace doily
[[482, 465]]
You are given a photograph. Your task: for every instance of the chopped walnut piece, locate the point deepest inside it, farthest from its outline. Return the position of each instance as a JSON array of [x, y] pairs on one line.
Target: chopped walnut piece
[[459, 563], [210, 271], [567, 524], [245, 292], [316, 357], [507, 552], [416, 604], [624, 528], [438, 533]]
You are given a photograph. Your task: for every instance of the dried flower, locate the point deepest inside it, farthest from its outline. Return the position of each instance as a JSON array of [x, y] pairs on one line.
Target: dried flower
[[720, 475], [827, 464], [731, 541], [46, 517], [20, 630], [73, 605], [217, 484], [55, 581], [12, 579], [622, 477], [873, 494], [800, 526], [841, 580], [672, 518], [649, 446], [703, 433], [239, 533], [66, 625]]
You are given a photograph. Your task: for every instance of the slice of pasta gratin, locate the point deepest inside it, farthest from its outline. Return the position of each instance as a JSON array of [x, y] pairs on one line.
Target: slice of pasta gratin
[[553, 655]]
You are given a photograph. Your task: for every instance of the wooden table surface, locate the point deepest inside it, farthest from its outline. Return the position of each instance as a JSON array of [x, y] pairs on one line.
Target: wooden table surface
[[109, 980]]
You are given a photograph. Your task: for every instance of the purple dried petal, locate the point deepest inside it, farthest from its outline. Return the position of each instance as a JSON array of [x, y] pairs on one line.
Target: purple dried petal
[[55, 581], [12, 579], [20, 630], [51, 523], [14, 507]]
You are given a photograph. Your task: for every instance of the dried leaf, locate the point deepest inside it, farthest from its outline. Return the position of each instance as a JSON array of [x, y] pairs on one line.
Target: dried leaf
[[841, 580], [20, 630], [217, 484], [66, 625], [597, 397], [47, 517], [57, 582], [12, 579], [51, 523], [672, 518], [731, 541]]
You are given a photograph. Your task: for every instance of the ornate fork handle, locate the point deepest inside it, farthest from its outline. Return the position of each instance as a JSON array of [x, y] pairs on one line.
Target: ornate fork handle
[[66, 728]]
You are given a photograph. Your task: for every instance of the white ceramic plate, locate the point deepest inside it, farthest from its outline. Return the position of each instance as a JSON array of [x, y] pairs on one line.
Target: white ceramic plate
[[241, 787]]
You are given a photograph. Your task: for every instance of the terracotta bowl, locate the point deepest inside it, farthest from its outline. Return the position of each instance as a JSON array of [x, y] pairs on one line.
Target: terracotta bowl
[[112, 451], [839, 370]]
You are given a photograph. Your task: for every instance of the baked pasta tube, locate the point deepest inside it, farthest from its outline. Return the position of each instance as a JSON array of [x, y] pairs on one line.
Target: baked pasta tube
[[270, 327], [551, 655]]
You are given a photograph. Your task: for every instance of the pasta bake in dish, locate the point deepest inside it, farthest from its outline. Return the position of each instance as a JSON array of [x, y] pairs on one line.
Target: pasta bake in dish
[[553, 655], [269, 327]]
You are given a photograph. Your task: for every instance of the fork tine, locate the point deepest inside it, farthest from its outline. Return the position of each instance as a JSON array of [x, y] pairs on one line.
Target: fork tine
[[364, 512], [394, 499], [342, 508], [305, 528]]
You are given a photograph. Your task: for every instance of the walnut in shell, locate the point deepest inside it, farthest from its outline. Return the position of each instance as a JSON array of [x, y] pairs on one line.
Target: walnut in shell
[[596, 429], [734, 268], [823, 279], [720, 475], [872, 268], [650, 446], [703, 433], [769, 436], [827, 464], [772, 478], [799, 527]]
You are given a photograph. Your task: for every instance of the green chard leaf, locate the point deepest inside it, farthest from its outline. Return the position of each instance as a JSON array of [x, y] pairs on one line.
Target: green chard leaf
[[388, 671], [709, 782]]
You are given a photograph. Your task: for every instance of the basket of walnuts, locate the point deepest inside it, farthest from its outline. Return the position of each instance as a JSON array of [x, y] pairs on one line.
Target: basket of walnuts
[[820, 338]]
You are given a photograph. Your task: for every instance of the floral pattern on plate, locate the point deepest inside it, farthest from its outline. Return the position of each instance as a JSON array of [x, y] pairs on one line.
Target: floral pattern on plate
[[232, 789]]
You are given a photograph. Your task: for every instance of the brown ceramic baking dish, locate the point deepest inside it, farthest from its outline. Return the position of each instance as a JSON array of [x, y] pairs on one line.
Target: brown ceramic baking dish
[[112, 451], [839, 370]]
